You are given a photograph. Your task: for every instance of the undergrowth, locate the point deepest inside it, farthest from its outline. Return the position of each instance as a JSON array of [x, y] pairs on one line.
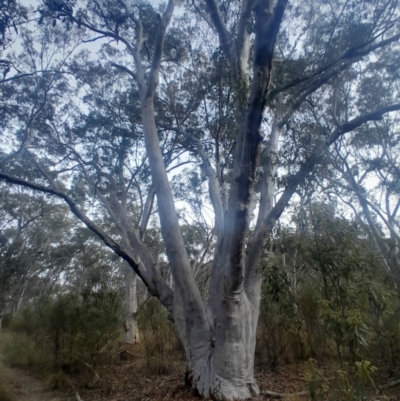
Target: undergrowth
[[325, 303]]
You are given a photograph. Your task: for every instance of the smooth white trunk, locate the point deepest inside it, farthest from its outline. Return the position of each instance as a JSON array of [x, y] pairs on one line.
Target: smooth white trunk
[[131, 305], [21, 297], [223, 368]]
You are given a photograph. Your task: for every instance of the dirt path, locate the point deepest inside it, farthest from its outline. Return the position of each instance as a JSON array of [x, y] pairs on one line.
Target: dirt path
[[19, 386]]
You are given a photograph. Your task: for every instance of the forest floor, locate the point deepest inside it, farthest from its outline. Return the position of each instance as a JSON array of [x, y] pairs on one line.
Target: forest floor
[[287, 383], [17, 385], [124, 382], [125, 385]]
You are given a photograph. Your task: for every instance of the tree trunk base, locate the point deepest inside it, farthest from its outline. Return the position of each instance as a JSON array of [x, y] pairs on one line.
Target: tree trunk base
[[213, 386], [228, 391]]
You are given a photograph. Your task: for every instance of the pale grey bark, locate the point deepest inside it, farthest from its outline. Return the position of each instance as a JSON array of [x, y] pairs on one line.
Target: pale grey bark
[[148, 206], [214, 188], [21, 297], [131, 306]]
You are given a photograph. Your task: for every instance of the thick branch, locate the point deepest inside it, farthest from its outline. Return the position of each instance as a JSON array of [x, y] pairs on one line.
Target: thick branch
[[189, 301], [242, 41], [213, 187], [190, 309], [295, 180], [125, 69], [26, 74], [148, 206], [175, 247], [135, 263], [158, 51], [351, 54], [267, 23], [268, 177], [219, 25]]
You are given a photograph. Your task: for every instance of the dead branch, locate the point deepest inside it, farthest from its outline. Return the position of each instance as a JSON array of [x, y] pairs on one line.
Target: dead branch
[[389, 385]]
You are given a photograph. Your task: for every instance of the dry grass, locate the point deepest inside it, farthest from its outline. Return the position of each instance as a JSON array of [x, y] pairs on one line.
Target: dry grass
[[6, 393], [131, 375]]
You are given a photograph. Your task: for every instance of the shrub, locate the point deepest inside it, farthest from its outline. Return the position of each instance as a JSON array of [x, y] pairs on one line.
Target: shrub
[[70, 334], [159, 339], [84, 329], [348, 384], [6, 321], [22, 350]]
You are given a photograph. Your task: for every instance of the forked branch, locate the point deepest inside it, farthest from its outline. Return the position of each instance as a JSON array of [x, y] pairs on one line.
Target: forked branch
[[158, 51], [220, 27], [297, 179], [308, 165], [267, 24]]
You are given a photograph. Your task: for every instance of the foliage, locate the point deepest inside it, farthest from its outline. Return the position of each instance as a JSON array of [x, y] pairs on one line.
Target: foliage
[[159, 339], [71, 333], [347, 384], [21, 350], [326, 295]]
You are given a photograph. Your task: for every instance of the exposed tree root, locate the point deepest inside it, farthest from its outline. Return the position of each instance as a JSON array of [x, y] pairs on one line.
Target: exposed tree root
[[279, 396], [390, 385]]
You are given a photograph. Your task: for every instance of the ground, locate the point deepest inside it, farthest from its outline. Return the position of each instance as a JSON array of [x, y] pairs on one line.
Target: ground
[[16, 385], [123, 383]]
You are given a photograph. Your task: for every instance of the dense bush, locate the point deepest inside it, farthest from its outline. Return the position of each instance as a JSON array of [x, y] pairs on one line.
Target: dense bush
[[327, 302], [160, 343], [71, 333], [327, 296]]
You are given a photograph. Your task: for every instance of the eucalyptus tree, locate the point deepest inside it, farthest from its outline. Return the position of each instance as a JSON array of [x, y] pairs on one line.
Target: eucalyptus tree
[[40, 96], [365, 164], [369, 178], [246, 75], [12, 15], [44, 253], [35, 247]]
